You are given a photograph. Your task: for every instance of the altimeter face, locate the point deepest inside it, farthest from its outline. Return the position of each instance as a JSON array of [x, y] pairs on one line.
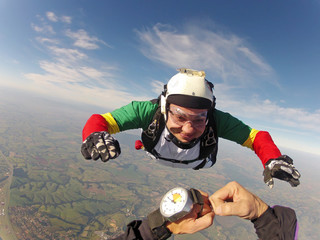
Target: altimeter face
[[175, 204]]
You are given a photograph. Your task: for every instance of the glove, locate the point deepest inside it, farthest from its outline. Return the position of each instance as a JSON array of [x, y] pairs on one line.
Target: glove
[[100, 145], [283, 169]]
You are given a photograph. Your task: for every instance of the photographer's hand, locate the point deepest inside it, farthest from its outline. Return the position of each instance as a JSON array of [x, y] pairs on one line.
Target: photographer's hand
[[235, 200]]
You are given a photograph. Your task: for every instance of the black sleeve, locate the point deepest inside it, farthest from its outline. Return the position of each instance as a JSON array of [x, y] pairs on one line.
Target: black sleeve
[[277, 223], [137, 230]]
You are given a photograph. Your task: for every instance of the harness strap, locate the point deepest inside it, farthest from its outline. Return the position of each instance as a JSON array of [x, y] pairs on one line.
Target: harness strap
[[155, 219], [186, 162], [197, 199], [157, 225], [201, 165], [152, 134]]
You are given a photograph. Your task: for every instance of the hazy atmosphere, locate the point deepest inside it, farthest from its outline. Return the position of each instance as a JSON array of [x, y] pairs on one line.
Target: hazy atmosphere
[[262, 56]]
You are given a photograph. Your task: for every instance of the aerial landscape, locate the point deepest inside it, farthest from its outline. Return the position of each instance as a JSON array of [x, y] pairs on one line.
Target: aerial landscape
[[56, 194]]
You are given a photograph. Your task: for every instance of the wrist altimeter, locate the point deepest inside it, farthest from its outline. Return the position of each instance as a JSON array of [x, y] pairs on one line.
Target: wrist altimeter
[[175, 204], [178, 202]]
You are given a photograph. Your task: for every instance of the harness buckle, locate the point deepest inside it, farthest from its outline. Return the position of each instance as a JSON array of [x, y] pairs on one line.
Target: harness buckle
[[209, 138], [151, 131]]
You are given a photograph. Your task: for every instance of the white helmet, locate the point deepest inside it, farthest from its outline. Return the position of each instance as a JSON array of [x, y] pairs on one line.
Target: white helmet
[[189, 89]]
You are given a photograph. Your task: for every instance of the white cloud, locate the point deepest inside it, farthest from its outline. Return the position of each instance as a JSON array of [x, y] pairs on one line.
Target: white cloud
[[57, 72], [43, 29], [271, 112], [157, 86], [224, 56], [52, 17], [77, 81], [263, 67], [109, 98], [91, 72], [83, 40], [69, 73], [67, 54], [47, 40], [66, 19], [68, 67]]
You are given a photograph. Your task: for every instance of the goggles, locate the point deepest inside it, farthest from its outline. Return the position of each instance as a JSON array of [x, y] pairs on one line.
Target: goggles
[[180, 117]]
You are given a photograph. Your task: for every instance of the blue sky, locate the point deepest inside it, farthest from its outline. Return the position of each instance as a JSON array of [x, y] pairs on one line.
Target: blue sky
[[262, 56]]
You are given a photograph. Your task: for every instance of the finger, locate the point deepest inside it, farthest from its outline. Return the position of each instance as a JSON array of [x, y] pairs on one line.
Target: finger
[[294, 182], [113, 150], [103, 151], [100, 149], [287, 169], [99, 143], [296, 173], [280, 174], [104, 154], [84, 151], [287, 159], [113, 147], [270, 183], [268, 177], [219, 197], [92, 150], [288, 173], [95, 153]]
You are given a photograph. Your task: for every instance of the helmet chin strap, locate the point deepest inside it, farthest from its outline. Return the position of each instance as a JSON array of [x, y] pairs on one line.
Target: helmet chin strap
[[173, 139]]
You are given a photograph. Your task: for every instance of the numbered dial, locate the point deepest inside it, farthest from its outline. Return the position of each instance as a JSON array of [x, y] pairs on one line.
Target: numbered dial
[[176, 203]]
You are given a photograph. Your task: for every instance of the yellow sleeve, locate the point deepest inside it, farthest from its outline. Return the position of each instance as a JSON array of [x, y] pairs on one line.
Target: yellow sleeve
[[249, 142], [112, 124]]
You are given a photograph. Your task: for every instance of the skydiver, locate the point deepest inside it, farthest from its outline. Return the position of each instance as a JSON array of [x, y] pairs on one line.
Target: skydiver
[[181, 129], [279, 223]]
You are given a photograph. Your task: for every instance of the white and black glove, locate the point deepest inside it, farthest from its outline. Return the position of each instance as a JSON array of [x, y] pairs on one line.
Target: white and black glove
[[283, 169], [100, 145]]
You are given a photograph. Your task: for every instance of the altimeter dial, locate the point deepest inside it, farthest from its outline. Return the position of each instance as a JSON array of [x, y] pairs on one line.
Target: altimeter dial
[[176, 203]]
